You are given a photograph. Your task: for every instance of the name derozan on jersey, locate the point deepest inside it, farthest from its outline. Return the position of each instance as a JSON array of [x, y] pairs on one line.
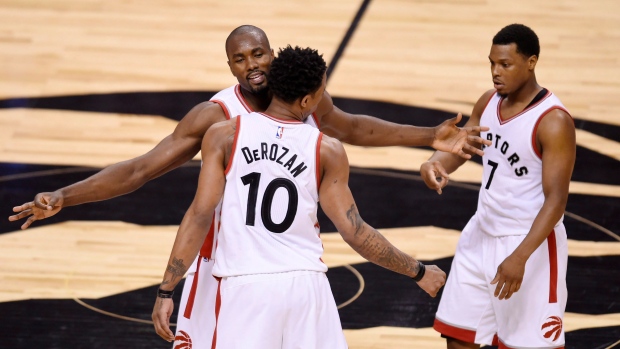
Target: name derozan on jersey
[[274, 153], [512, 159]]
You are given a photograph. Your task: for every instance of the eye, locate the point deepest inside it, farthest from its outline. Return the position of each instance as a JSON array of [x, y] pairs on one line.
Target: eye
[[259, 55], [239, 60], [505, 65]]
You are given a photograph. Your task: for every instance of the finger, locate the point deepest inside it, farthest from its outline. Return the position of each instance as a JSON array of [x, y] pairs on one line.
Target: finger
[[518, 287], [505, 290], [495, 279], [163, 321], [464, 155], [458, 118], [52, 202], [23, 207], [480, 140], [39, 202], [444, 182], [473, 149], [20, 215], [28, 222], [512, 290], [498, 288]]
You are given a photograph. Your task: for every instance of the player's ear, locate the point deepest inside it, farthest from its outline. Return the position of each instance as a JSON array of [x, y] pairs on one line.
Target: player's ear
[[531, 62], [305, 100]]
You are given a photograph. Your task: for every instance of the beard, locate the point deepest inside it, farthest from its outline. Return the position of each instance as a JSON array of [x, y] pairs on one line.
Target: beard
[[262, 90]]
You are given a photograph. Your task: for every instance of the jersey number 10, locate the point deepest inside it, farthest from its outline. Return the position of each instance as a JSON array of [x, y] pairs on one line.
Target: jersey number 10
[[253, 179]]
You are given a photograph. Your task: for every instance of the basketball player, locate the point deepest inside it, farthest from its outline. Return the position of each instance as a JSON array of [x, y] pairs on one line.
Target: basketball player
[[249, 58], [269, 170], [507, 285]]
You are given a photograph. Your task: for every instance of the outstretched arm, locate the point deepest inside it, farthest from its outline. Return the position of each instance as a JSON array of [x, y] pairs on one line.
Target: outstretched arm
[[442, 163], [370, 131], [196, 222], [338, 204], [556, 139], [127, 176]]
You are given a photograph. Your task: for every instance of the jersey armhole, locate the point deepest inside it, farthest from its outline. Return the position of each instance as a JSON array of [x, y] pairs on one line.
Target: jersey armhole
[[316, 120], [223, 106], [317, 162], [234, 146], [535, 130]]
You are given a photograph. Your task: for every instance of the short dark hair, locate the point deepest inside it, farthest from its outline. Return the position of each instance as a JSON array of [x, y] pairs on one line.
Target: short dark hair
[[524, 37], [246, 29], [295, 73]]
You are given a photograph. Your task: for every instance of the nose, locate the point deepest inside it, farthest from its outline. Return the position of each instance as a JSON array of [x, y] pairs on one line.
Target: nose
[[495, 70], [252, 64]]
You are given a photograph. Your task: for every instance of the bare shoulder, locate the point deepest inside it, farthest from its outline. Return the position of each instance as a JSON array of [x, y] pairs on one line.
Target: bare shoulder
[[556, 125], [220, 132], [333, 154], [202, 116]]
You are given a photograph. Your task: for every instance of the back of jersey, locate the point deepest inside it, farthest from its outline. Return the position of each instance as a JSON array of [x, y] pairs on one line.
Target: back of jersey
[[269, 210]]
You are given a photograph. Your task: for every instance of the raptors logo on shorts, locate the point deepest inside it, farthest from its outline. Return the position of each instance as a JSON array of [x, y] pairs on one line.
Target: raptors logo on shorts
[[182, 341], [552, 327]]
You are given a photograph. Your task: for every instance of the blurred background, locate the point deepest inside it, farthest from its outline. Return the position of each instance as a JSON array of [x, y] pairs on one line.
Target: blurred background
[[85, 84]]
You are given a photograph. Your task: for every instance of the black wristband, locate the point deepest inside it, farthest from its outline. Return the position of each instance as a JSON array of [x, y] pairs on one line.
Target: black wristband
[[420, 274], [164, 294]]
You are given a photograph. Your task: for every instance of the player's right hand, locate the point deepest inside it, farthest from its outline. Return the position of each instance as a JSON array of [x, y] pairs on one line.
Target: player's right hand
[[161, 317], [433, 280], [430, 171], [44, 206]]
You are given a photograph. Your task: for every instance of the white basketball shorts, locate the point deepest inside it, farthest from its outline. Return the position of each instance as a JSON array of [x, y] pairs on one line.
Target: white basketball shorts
[[291, 310], [531, 318]]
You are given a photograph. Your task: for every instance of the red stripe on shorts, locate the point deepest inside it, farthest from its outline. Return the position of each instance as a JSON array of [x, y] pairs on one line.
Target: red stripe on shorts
[[192, 293], [553, 268], [218, 303], [466, 335]]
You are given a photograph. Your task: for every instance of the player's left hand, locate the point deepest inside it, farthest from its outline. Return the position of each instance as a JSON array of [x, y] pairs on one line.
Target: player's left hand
[[452, 139], [161, 317], [509, 277]]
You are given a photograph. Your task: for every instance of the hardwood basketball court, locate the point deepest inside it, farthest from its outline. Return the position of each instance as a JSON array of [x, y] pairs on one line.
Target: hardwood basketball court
[[84, 84]]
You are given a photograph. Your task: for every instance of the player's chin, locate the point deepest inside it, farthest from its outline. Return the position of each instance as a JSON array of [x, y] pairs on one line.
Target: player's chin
[[261, 88]]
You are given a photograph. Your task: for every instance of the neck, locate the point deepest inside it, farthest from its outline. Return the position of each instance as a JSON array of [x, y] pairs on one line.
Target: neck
[[525, 93], [259, 101], [283, 110]]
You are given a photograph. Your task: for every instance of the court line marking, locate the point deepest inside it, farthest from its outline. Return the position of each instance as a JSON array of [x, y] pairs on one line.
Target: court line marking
[[357, 274]]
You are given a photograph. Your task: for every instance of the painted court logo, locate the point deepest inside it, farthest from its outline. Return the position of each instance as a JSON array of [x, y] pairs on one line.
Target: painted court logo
[[279, 132], [552, 328], [182, 341]]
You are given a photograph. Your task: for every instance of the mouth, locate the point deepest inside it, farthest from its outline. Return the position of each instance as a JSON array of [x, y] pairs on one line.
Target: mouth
[[256, 77], [498, 84]]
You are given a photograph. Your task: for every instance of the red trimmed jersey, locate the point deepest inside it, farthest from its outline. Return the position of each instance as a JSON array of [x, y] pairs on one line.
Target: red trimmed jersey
[[269, 211], [233, 103], [511, 194]]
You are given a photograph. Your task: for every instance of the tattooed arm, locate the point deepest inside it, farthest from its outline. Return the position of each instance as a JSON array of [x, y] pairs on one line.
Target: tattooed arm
[[216, 147], [338, 204]]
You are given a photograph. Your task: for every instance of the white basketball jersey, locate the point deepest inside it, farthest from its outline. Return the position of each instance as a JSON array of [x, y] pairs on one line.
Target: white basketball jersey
[[233, 103], [511, 194], [269, 211]]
